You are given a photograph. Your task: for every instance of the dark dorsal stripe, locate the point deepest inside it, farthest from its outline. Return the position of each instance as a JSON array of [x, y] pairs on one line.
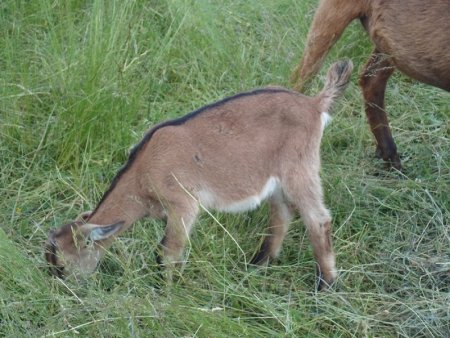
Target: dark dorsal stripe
[[176, 122]]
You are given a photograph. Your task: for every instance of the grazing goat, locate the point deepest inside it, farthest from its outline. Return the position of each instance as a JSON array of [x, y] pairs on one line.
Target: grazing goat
[[228, 156], [411, 35]]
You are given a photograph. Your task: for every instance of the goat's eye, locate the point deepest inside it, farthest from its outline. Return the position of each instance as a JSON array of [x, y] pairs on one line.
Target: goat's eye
[[89, 242]]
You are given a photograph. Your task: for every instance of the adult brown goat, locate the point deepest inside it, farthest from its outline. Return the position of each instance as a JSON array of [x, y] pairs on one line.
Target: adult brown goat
[[410, 35], [228, 156]]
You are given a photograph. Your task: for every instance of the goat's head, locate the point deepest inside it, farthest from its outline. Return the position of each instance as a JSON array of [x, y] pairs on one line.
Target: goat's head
[[76, 247]]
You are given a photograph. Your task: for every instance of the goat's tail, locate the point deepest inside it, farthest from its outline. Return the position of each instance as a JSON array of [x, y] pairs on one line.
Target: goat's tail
[[337, 80]]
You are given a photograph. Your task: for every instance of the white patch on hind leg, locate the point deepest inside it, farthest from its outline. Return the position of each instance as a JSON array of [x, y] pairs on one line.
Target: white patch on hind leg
[[331, 262], [325, 118]]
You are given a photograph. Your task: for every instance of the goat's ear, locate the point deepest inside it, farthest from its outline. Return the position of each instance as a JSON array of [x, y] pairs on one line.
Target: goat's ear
[[101, 232], [84, 216]]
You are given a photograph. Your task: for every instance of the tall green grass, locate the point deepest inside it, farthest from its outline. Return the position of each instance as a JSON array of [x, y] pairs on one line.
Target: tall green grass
[[80, 83]]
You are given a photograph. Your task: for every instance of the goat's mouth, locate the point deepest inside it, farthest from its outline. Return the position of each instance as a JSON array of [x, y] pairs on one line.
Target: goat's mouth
[[50, 255], [57, 270]]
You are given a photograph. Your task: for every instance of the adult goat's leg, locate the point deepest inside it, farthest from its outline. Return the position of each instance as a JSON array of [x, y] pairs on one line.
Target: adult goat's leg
[[330, 20], [373, 82]]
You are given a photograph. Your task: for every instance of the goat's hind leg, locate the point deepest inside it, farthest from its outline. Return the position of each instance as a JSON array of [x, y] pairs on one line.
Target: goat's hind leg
[[325, 30], [280, 216], [373, 82], [306, 195]]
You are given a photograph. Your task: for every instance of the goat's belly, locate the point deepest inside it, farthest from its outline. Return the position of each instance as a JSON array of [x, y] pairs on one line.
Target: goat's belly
[[218, 200]]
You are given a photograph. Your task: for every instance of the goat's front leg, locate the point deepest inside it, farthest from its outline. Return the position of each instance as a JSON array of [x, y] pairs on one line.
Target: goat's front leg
[[180, 220], [373, 82]]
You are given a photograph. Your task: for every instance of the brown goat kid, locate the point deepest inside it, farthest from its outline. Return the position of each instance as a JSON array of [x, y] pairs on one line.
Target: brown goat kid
[[228, 156], [410, 35]]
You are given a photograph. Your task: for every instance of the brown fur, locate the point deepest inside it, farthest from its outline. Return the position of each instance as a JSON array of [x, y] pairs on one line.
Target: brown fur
[[227, 156], [412, 36]]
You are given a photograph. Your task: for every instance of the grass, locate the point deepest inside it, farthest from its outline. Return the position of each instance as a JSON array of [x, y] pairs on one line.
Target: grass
[[80, 83]]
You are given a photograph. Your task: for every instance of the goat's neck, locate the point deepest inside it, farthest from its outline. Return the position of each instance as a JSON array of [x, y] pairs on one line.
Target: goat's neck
[[122, 203]]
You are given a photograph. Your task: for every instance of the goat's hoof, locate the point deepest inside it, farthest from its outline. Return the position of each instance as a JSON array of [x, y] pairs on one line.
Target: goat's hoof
[[395, 163], [323, 285], [391, 160], [261, 259]]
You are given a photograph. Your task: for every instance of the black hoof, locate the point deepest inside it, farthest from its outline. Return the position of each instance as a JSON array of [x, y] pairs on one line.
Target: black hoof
[[391, 159], [322, 284], [260, 258]]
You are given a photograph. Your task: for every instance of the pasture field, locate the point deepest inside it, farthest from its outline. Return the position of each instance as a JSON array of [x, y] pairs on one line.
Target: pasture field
[[80, 83]]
